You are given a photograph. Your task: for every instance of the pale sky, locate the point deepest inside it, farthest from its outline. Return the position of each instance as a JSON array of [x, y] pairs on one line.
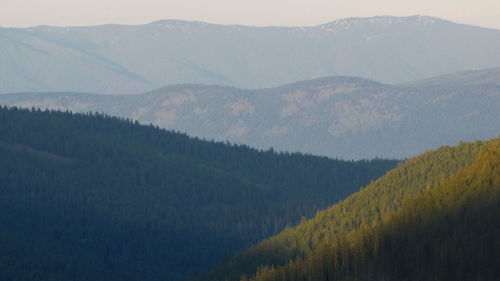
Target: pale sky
[[247, 12]]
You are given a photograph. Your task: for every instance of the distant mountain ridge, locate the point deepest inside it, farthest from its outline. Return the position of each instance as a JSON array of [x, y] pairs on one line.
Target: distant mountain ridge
[[345, 117], [129, 59], [490, 77]]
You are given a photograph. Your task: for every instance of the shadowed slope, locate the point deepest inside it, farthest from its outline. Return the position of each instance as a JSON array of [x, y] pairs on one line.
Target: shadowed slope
[[89, 197]]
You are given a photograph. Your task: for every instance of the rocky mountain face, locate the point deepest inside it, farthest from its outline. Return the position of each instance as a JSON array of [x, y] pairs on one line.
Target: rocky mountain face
[[345, 117], [120, 59]]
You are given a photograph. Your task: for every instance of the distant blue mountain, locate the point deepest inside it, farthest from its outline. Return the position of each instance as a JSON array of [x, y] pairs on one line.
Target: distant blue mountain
[[124, 59], [344, 117]]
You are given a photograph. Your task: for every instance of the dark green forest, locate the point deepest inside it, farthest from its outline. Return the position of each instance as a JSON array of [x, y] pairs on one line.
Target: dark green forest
[[434, 217], [93, 197]]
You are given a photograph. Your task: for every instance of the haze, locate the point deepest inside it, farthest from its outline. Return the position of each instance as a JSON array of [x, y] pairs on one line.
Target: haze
[[257, 12]]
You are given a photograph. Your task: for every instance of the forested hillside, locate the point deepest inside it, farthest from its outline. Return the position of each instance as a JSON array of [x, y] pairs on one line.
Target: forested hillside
[[420, 221], [449, 232], [90, 197]]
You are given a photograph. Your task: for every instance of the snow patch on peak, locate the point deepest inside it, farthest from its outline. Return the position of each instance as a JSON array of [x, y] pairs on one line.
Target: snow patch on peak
[[381, 21], [177, 24]]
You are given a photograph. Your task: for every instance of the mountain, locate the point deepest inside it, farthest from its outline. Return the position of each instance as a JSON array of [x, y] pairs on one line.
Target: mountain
[[342, 117], [490, 76], [434, 217], [124, 59], [90, 197]]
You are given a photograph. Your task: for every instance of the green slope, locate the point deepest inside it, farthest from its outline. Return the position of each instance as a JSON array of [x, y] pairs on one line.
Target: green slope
[[89, 197], [449, 232], [367, 207]]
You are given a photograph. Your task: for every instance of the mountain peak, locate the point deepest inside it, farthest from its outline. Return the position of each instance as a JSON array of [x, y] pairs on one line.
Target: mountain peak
[[384, 21], [176, 22]]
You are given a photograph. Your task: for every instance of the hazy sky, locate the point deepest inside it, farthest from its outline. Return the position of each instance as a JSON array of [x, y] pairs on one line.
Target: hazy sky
[[248, 12]]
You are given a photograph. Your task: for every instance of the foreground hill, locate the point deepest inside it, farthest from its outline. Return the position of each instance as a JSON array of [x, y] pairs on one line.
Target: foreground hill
[[119, 59], [88, 197], [344, 117], [450, 232], [434, 217]]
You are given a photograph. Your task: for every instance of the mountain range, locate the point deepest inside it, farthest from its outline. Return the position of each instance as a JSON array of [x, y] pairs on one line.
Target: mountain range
[[357, 150], [125, 59], [343, 117]]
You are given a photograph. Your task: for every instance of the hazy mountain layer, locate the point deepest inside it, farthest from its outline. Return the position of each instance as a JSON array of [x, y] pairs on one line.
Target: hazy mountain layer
[[344, 117], [123, 59]]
